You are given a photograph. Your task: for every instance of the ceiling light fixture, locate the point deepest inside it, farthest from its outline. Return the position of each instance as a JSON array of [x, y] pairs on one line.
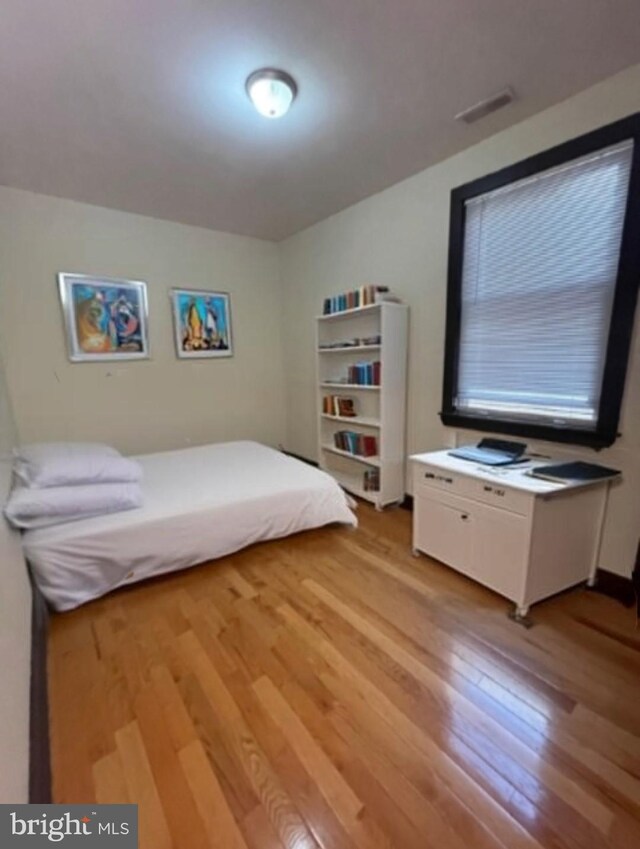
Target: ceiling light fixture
[[271, 91]]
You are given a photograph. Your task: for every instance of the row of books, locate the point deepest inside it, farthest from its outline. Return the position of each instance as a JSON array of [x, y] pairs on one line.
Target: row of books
[[361, 297], [356, 443], [364, 374], [338, 405], [371, 480], [355, 342]]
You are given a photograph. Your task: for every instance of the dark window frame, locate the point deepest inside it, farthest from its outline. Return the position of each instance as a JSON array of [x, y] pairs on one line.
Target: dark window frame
[[624, 303]]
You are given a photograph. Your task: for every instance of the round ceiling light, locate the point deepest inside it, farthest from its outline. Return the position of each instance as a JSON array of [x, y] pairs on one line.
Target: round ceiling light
[[271, 91]]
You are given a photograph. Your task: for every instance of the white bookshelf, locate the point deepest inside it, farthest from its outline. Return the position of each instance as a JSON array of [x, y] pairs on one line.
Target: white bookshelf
[[381, 410]]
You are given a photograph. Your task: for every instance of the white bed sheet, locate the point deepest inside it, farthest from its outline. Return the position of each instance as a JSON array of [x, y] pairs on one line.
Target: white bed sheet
[[199, 504]]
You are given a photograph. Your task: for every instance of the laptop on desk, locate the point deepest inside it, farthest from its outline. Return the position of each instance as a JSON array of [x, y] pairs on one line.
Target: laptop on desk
[[492, 452]]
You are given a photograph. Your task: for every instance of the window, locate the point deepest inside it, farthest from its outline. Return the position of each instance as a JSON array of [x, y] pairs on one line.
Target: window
[[544, 263]]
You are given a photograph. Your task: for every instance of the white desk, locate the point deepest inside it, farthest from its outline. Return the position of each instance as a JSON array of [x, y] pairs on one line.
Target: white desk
[[523, 537]]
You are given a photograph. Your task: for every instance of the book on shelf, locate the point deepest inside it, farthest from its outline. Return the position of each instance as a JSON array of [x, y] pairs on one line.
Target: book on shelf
[[339, 405], [363, 296], [360, 444], [371, 480], [364, 374]]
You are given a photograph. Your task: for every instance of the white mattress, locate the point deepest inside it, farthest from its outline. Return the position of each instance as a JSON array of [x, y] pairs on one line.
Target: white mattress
[[199, 503]]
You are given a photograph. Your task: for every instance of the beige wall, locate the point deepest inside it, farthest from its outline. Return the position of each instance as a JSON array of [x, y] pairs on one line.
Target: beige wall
[[139, 406], [15, 635], [400, 238]]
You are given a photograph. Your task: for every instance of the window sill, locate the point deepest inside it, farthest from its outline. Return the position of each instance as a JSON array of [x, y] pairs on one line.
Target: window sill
[[572, 436]]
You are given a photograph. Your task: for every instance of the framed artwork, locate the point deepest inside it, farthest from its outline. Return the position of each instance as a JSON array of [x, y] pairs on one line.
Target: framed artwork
[[202, 323], [105, 319]]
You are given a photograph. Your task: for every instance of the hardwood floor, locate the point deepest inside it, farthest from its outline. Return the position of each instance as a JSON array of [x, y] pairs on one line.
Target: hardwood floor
[[329, 690]]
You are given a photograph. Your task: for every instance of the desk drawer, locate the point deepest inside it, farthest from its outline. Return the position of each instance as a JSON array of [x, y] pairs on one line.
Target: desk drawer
[[500, 496], [486, 543], [429, 478], [432, 477]]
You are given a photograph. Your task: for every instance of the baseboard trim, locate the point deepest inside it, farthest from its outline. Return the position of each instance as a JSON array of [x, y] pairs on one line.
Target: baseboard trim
[[635, 580], [616, 586], [39, 750], [407, 502], [299, 457]]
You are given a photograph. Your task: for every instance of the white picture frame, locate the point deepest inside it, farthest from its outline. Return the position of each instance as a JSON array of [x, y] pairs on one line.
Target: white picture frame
[[105, 318]]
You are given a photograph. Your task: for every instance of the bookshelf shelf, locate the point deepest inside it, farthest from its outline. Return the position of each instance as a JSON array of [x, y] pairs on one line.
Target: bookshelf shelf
[[349, 386], [380, 407], [337, 316], [369, 461], [356, 421], [349, 349]]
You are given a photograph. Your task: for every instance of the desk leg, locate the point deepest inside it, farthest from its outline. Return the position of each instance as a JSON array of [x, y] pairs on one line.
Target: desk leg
[[591, 580]]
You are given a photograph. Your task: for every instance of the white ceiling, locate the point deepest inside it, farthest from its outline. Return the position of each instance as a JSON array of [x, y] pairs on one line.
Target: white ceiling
[[140, 104]]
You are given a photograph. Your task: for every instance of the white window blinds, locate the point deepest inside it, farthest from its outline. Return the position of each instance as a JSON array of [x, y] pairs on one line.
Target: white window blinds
[[539, 273]]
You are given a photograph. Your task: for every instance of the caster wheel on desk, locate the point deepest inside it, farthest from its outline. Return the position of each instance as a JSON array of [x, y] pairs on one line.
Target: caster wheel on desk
[[520, 615]]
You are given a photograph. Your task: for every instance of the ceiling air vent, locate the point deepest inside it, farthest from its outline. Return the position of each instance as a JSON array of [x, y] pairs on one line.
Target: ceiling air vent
[[486, 107]]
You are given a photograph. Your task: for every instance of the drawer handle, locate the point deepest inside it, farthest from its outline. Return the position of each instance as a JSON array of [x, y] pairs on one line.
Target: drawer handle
[[441, 478], [464, 517], [488, 489]]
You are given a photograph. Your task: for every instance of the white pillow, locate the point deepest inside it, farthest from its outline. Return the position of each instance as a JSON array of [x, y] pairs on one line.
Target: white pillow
[[36, 508], [48, 464]]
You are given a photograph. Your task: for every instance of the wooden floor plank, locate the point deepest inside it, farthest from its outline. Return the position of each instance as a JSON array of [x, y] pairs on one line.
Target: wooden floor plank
[[283, 815], [567, 788], [370, 696], [221, 828], [500, 770], [330, 691], [301, 786], [183, 820], [109, 780], [331, 783], [141, 787]]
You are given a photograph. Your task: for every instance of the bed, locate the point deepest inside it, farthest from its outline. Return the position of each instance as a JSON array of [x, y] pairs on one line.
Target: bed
[[199, 504]]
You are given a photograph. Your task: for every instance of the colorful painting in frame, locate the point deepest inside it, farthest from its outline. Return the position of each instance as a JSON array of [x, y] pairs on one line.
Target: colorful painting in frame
[[105, 318], [202, 322]]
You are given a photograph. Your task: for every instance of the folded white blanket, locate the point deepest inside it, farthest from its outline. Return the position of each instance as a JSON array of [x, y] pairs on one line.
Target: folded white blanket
[[30, 507]]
